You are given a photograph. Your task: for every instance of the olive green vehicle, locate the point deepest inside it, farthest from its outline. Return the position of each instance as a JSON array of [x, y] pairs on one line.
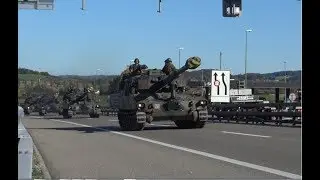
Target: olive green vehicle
[[77, 102], [154, 96]]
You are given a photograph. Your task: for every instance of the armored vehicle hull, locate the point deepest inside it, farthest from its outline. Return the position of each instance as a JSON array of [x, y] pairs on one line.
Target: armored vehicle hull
[[154, 96]]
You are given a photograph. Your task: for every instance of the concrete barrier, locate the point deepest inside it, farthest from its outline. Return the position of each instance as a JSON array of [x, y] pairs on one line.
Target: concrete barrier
[[25, 149]]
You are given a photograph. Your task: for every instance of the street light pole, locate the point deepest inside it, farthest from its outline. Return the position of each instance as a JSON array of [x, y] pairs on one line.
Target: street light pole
[[180, 55], [220, 56], [245, 59], [285, 80], [285, 71]]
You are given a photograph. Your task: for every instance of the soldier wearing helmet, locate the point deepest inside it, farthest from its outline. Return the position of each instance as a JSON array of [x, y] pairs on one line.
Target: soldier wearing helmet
[[168, 68], [136, 67]]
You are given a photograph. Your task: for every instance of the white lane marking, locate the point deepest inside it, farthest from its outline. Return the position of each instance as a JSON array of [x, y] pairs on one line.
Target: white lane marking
[[35, 117], [113, 120], [217, 157], [255, 135]]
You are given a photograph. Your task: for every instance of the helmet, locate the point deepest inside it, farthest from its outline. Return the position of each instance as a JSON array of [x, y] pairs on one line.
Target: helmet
[[136, 60], [168, 60]]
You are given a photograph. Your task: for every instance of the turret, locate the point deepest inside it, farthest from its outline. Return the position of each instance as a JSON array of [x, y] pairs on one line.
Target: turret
[[191, 63]]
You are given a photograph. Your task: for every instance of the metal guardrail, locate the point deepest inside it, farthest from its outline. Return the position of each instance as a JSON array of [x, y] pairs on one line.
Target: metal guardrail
[[25, 149], [257, 113], [230, 109], [256, 105]]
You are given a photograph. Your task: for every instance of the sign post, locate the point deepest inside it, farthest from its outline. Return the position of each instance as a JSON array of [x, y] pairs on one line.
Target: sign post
[[220, 86]]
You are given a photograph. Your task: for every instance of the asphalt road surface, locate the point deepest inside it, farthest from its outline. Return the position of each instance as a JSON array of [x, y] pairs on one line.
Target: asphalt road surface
[[82, 147]]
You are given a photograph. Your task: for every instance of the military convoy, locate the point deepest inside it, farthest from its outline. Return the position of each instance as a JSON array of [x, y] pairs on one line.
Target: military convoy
[[150, 95], [154, 96]]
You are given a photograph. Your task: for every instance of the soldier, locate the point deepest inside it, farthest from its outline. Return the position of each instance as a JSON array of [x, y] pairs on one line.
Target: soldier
[[168, 68], [136, 67]]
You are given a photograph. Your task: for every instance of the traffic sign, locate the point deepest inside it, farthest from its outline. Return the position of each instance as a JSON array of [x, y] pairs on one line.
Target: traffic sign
[[36, 4], [220, 92], [292, 97], [217, 83]]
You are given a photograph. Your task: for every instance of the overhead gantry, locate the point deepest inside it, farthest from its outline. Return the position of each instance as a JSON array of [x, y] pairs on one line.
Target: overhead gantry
[[230, 8]]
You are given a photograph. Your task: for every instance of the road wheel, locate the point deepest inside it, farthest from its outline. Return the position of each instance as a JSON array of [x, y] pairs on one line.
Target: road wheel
[[128, 122], [94, 115], [66, 114]]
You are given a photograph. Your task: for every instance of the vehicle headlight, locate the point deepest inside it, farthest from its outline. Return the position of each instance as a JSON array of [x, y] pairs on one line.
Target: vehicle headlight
[[141, 105], [203, 102]]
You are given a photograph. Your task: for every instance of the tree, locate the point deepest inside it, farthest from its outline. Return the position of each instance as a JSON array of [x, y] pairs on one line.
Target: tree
[[114, 85]]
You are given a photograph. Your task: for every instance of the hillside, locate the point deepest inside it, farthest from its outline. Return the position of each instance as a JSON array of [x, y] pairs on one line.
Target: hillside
[[292, 76], [30, 78]]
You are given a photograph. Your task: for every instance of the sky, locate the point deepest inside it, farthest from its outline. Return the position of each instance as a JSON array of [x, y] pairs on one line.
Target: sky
[[110, 33]]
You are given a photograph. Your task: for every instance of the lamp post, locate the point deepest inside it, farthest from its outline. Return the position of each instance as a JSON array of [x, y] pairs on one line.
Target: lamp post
[[245, 59], [181, 48], [220, 59], [285, 79]]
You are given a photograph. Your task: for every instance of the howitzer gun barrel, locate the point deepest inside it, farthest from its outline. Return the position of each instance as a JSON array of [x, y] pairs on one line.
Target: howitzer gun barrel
[[191, 63]]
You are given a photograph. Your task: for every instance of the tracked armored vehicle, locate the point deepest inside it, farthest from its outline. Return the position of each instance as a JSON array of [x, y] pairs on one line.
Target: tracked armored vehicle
[[42, 104], [154, 96], [77, 102]]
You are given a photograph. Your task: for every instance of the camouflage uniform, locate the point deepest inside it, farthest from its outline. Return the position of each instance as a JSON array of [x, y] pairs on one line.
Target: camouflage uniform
[[168, 68], [136, 68]]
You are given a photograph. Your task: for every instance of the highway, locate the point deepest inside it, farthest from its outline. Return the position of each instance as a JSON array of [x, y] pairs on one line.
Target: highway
[[82, 147]]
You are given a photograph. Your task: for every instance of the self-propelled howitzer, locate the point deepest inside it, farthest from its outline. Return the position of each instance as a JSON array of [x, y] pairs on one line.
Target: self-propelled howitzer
[[154, 96], [82, 101]]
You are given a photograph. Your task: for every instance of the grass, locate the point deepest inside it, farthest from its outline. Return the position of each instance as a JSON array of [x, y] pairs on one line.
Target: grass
[[36, 169], [271, 97], [30, 77]]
